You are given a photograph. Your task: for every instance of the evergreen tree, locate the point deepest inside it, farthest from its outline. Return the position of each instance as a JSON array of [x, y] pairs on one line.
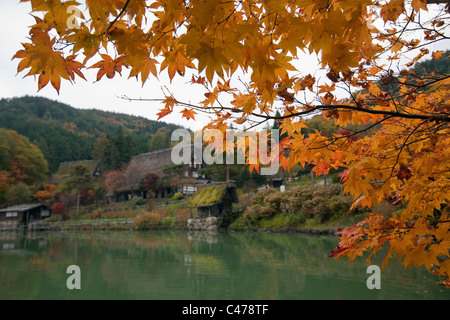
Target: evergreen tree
[[79, 179]]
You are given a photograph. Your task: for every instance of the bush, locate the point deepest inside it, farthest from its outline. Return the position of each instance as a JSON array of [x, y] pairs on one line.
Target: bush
[[147, 220], [178, 196], [339, 204], [137, 201], [316, 208], [298, 205], [59, 208]]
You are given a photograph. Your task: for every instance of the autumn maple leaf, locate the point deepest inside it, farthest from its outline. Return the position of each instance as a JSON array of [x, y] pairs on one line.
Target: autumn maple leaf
[[188, 113], [108, 66]]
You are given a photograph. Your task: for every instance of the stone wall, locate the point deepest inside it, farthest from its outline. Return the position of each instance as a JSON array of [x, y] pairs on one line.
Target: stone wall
[[207, 224]]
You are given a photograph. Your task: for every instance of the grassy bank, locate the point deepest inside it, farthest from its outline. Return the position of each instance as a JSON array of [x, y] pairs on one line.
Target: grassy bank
[[300, 208], [161, 215]]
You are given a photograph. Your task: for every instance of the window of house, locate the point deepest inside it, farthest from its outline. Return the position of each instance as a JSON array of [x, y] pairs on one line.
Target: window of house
[[45, 213], [11, 214]]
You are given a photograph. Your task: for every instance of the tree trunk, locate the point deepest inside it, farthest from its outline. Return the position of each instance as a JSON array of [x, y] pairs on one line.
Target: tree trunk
[[78, 203]]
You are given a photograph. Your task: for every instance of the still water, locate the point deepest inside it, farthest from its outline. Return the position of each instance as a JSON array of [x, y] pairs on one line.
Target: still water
[[180, 265]]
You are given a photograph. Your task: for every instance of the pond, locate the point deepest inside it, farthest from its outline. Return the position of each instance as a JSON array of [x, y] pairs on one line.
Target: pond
[[180, 265]]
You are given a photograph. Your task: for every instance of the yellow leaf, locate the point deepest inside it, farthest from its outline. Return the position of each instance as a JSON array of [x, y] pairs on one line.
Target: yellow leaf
[[212, 59], [392, 10], [419, 4], [176, 61], [246, 102], [144, 66]]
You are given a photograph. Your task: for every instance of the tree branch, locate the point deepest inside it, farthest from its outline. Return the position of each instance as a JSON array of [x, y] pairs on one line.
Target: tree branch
[[120, 14]]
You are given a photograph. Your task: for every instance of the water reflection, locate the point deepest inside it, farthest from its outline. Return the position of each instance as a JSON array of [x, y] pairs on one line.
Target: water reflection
[[189, 265]]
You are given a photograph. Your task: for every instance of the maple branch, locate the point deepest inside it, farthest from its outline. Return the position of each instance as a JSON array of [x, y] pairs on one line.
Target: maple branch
[[120, 14], [431, 117], [354, 133], [391, 114], [401, 149]]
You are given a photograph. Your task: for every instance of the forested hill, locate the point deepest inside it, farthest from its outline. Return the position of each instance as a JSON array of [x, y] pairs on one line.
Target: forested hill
[[64, 133]]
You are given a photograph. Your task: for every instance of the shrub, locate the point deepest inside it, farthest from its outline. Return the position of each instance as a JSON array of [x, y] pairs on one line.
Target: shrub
[[177, 196], [295, 220], [95, 214], [59, 208], [147, 220], [137, 201], [316, 208], [298, 204], [339, 204]]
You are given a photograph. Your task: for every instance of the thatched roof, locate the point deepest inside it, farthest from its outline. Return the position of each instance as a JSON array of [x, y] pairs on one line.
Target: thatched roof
[[153, 162], [142, 164], [208, 195], [212, 194]]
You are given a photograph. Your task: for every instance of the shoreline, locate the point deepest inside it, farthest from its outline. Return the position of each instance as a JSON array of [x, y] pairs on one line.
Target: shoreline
[[129, 226]]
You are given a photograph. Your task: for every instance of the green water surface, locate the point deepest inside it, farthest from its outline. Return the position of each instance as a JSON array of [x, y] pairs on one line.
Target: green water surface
[[171, 265]]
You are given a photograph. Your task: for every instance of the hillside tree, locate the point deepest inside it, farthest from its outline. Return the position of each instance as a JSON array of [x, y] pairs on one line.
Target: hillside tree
[[79, 180]]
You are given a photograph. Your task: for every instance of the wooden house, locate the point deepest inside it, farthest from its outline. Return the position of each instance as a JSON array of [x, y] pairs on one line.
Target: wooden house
[[23, 214], [214, 200]]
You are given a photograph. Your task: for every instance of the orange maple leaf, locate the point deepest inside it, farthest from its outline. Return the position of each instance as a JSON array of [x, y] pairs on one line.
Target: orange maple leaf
[[108, 66], [188, 113], [163, 112]]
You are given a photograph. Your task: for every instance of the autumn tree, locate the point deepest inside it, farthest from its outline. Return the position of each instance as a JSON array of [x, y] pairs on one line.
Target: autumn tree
[[251, 58], [21, 164], [127, 178], [114, 180], [21, 160], [150, 183], [45, 193]]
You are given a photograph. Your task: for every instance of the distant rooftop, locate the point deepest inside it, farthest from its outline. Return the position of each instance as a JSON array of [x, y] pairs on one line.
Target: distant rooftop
[[21, 207]]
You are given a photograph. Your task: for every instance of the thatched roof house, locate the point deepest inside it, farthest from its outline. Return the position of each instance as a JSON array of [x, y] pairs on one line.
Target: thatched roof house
[[149, 162], [215, 199], [155, 162]]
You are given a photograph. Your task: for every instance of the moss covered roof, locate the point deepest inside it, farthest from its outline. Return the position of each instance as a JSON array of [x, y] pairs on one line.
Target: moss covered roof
[[206, 196]]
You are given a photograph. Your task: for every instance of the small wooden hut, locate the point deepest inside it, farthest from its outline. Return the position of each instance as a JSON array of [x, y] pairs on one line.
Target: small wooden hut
[[23, 214], [214, 200]]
